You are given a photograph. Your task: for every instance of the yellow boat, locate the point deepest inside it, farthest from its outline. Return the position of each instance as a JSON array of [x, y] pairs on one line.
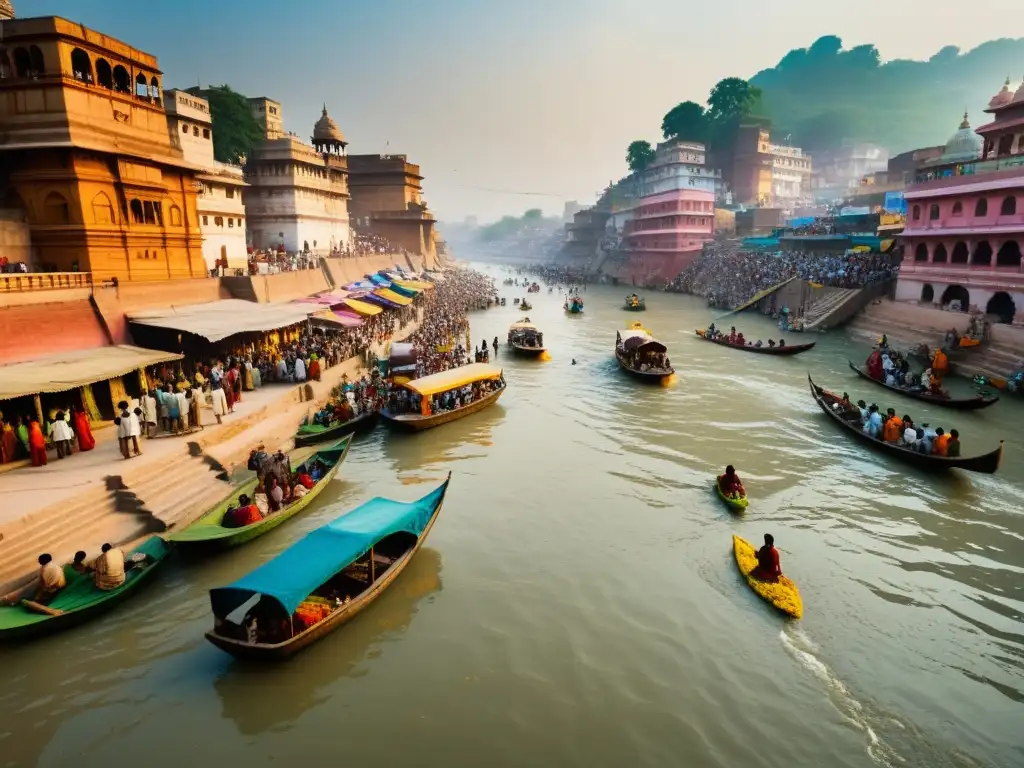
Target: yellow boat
[[783, 594]]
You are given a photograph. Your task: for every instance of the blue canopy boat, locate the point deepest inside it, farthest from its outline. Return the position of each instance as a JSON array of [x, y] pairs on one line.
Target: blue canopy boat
[[323, 580]]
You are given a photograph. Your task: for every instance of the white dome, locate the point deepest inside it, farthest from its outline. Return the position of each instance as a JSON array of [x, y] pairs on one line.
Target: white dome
[[963, 145]]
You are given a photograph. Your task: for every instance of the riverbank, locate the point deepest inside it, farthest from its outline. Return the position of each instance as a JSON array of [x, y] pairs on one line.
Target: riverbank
[[95, 497]]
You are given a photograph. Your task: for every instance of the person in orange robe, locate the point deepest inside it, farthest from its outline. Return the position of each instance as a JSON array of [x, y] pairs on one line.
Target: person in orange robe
[[36, 444], [80, 423], [8, 442]]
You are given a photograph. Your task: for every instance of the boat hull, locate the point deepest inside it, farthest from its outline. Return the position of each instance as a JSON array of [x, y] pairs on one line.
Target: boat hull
[[986, 463], [528, 351], [782, 595], [963, 404], [739, 506], [652, 377], [362, 423], [406, 423], [287, 649], [788, 351]]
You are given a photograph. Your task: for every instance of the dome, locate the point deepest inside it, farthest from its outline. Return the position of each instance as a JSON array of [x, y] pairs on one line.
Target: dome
[[6, 9], [326, 130], [1004, 97], [1018, 96], [963, 145]]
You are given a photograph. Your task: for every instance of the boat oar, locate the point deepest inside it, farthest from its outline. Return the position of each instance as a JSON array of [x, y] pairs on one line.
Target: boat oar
[[32, 605]]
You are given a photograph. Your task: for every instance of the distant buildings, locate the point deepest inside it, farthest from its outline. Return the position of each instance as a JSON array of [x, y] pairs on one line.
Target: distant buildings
[[758, 172], [965, 220], [838, 172]]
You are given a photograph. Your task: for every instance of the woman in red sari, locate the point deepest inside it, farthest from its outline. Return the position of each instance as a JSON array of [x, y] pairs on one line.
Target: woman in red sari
[[36, 444], [80, 423]]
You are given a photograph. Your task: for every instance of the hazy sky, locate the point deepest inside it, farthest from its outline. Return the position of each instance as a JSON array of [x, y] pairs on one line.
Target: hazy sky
[[498, 98]]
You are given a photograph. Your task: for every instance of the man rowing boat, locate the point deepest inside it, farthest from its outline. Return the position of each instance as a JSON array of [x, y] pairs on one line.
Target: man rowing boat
[[768, 568], [730, 484]]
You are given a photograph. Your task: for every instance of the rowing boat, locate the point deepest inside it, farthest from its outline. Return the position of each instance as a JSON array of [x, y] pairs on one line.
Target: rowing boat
[[435, 384], [80, 600], [786, 351], [783, 594], [636, 346], [323, 580], [526, 339], [207, 534], [957, 404], [739, 506], [311, 434], [848, 417]]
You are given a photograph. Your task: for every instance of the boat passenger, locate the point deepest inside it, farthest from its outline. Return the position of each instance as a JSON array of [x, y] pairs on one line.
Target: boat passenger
[[771, 343], [873, 425], [730, 484], [51, 580], [758, 344], [782, 343], [768, 568], [940, 363], [710, 332], [893, 427], [108, 569], [927, 440], [740, 341], [78, 564], [874, 365], [298, 491], [732, 335], [863, 408], [909, 437], [302, 478], [940, 446], [953, 446], [275, 494], [260, 498], [246, 513]]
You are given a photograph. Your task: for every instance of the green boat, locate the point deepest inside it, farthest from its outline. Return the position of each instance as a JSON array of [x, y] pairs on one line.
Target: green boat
[[737, 505], [207, 534], [80, 600], [311, 434]]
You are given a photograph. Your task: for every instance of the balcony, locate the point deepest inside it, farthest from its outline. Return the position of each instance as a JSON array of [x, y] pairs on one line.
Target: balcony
[[16, 282]]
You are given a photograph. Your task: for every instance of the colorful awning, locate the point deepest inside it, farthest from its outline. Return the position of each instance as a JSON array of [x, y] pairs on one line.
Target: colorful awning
[[362, 307], [397, 298], [348, 319]]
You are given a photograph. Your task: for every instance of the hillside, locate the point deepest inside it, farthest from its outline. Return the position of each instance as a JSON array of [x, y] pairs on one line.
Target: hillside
[[823, 94]]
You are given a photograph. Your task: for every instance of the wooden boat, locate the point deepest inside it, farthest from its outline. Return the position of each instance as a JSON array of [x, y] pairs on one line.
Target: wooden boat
[[526, 339], [80, 600], [323, 580], [957, 404], [207, 534], [739, 506], [634, 304], [633, 347], [849, 419], [311, 434], [574, 305], [782, 594], [787, 350], [525, 305], [437, 383]]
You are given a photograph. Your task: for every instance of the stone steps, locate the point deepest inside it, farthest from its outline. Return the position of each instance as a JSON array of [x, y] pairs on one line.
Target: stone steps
[[820, 310]]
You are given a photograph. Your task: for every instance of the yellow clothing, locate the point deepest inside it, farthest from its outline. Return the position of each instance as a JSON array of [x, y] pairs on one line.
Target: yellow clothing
[[109, 569], [51, 576]]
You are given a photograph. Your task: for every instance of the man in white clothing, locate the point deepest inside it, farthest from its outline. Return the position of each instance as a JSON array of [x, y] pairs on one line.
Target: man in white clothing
[[300, 369], [108, 568], [61, 435]]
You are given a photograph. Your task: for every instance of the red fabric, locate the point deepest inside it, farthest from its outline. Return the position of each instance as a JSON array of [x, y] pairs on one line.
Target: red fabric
[[36, 445], [80, 422], [768, 567], [8, 444], [314, 370], [304, 479], [875, 366], [730, 486], [247, 516], [229, 393]]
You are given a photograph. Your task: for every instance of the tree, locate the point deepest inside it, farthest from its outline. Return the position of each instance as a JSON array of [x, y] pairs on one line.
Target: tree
[[235, 130], [639, 154], [685, 120], [534, 214], [732, 99]]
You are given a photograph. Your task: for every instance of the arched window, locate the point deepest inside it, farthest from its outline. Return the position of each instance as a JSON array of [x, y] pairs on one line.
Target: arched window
[[1005, 143], [22, 62], [136, 208], [917, 213], [102, 210], [122, 80], [154, 90], [981, 207], [6, 70], [36, 57], [921, 252], [939, 254], [982, 253], [1009, 254], [960, 253], [1009, 206], [933, 212], [81, 65], [104, 75], [927, 294], [1002, 306], [957, 293], [175, 216], [55, 209], [958, 208], [141, 86], [218, 221]]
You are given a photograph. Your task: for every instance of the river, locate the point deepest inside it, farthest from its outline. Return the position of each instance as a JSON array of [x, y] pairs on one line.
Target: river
[[577, 603]]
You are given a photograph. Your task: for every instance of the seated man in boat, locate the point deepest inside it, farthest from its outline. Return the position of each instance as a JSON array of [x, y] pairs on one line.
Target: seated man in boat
[[758, 344], [732, 335], [953, 446], [730, 484], [710, 332], [740, 341], [768, 568], [246, 513], [940, 445], [893, 428], [782, 343], [771, 343], [317, 470], [873, 424], [78, 565], [51, 580], [108, 569]]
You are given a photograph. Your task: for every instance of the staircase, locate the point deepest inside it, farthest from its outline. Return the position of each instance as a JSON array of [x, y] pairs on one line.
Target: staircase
[[820, 311]]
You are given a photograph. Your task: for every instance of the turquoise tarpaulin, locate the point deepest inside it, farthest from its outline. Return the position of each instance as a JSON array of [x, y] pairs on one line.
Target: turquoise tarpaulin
[[292, 576]]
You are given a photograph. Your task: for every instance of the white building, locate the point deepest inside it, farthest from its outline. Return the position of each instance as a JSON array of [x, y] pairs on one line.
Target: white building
[[298, 194], [791, 175], [219, 202]]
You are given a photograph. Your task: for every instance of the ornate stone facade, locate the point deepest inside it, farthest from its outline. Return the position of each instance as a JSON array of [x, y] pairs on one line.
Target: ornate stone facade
[[88, 156]]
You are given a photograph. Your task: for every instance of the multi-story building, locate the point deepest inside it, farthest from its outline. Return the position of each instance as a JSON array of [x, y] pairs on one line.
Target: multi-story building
[[791, 175], [387, 200], [965, 219], [85, 153], [748, 171], [219, 204], [298, 194], [839, 171]]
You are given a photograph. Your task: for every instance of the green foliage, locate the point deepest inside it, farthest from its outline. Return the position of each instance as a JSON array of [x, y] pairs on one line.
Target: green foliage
[[639, 155], [509, 227], [824, 95], [686, 121], [235, 130]]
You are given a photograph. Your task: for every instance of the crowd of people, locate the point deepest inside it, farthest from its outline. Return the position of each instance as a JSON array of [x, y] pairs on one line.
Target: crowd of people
[[66, 431], [728, 276]]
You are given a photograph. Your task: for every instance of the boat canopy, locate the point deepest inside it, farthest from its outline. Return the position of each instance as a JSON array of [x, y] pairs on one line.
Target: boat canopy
[[397, 298], [522, 326], [641, 340], [454, 377], [294, 574], [363, 308]]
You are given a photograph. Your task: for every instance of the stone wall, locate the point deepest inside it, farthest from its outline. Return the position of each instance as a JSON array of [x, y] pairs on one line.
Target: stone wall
[[345, 271], [283, 286], [30, 331], [15, 239]]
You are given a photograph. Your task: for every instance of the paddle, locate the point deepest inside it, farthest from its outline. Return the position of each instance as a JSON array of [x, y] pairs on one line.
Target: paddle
[[32, 605]]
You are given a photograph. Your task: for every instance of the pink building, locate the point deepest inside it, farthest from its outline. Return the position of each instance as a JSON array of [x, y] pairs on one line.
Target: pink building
[[671, 215], [965, 218]]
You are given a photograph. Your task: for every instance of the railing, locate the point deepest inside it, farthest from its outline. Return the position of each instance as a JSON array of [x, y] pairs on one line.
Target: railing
[[11, 282]]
